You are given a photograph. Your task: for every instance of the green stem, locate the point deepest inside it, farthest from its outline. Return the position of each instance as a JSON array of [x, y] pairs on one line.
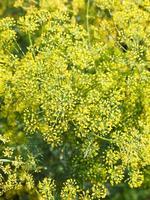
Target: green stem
[[31, 44], [88, 148], [87, 20], [5, 160], [90, 143], [19, 47], [104, 138]]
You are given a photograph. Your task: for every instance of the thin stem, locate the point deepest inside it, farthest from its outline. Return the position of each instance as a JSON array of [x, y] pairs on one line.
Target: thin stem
[[19, 47], [31, 44], [104, 138], [88, 148], [90, 143], [87, 20], [5, 160]]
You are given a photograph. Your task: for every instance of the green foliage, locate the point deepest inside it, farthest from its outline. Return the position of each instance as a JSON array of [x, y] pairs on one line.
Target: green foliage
[[74, 99]]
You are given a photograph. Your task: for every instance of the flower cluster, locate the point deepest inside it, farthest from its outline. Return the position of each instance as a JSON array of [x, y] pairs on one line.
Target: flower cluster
[[74, 99]]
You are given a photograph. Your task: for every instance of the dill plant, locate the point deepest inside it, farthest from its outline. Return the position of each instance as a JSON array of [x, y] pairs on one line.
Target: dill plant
[[74, 99]]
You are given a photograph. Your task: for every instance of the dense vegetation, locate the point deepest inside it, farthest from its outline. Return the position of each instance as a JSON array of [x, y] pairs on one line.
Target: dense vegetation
[[74, 99]]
